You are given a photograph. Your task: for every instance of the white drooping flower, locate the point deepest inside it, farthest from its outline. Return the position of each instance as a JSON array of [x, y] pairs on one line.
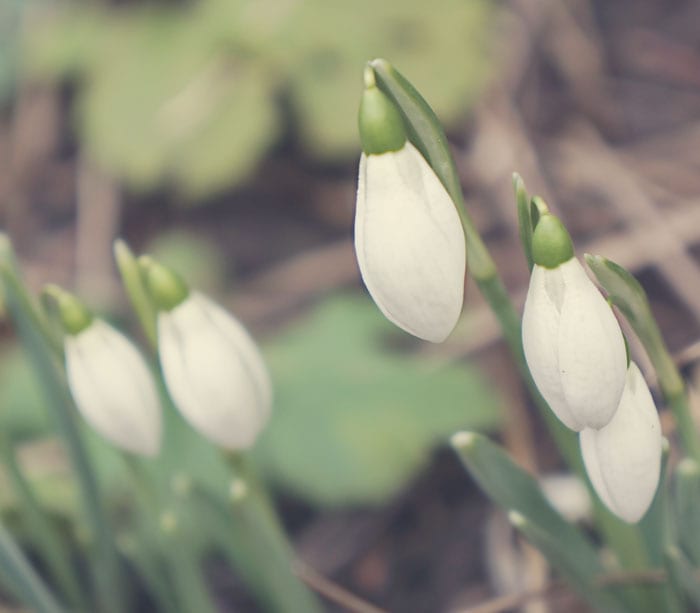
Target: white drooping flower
[[623, 459], [572, 342], [214, 372], [113, 388], [409, 239], [410, 243]]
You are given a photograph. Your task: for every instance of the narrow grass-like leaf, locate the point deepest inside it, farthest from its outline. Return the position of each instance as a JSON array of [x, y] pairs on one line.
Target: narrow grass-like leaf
[[514, 489], [683, 575], [23, 580], [132, 279], [575, 568], [522, 201]]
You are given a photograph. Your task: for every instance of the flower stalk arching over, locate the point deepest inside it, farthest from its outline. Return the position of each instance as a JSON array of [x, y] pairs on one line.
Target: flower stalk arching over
[[410, 243], [623, 459], [113, 388], [214, 372], [572, 342]]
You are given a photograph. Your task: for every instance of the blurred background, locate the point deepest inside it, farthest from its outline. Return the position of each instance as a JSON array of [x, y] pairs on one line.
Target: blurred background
[[220, 135]]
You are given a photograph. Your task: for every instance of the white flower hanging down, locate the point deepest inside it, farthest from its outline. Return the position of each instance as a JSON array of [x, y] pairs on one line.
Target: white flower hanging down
[[572, 342], [623, 459], [409, 239], [212, 368], [214, 372], [113, 388]]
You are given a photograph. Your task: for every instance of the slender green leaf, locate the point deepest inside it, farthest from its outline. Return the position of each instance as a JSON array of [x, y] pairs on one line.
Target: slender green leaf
[[23, 580], [512, 488], [569, 563], [683, 575], [525, 224]]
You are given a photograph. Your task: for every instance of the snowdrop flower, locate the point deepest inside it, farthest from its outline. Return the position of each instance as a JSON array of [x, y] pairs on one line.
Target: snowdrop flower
[[572, 342], [409, 239], [212, 367], [109, 380], [623, 459]]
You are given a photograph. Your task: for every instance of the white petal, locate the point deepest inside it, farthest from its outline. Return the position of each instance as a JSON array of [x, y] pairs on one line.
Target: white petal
[[592, 356], [214, 372], [409, 243], [113, 388], [623, 459], [540, 334]]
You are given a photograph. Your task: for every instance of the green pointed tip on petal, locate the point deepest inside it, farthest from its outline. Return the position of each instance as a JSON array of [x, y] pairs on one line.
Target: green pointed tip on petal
[[75, 316], [122, 252], [381, 126], [539, 206], [6, 251], [551, 243], [688, 468], [167, 289], [463, 440], [517, 519]]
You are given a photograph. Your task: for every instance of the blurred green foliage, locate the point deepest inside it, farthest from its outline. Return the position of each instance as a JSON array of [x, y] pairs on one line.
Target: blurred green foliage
[[197, 93], [355, 420], [10, 16]]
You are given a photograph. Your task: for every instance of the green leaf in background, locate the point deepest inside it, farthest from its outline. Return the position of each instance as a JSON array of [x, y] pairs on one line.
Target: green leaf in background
[[161, 102], [190, 92], [10, 17], [353, 419], [325, 45]]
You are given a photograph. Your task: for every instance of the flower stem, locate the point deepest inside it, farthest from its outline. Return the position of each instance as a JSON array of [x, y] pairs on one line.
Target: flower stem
[[251, 506], [184, 568]]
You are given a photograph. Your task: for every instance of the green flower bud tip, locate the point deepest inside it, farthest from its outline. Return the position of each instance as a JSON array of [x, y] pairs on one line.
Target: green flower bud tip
[[122, 254], [551, 243], [75, 316], [167, 289], [380, 122]]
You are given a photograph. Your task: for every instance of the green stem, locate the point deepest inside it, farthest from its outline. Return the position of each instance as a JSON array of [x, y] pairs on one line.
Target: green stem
[[47, 540], [106, 570], [283, 591], [148, 515], [22, 578], [184, 569], [150, 572]]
